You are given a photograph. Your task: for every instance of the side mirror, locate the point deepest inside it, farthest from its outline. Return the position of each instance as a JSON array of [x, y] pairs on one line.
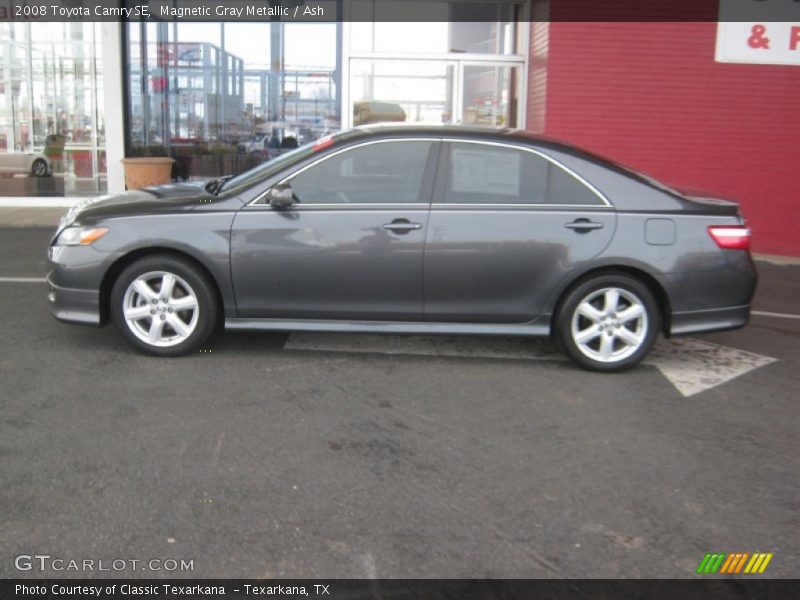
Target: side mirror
[[281, 197]]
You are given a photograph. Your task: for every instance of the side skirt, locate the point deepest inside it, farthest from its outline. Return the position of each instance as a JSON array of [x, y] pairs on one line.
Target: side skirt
[[418, 328]]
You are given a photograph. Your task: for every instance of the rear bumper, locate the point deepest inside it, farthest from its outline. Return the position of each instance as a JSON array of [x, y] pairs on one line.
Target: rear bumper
[[716, 319], [718, 300], [74, 306]]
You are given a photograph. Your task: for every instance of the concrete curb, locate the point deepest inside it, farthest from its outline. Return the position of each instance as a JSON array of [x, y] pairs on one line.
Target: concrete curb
[[39, 202], [777, 259]]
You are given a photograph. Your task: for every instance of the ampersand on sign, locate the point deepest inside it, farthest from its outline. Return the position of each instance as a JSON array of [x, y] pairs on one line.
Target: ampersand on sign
[[757, 40]]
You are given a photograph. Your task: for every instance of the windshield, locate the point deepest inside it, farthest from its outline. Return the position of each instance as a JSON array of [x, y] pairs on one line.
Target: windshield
[[267, 169]]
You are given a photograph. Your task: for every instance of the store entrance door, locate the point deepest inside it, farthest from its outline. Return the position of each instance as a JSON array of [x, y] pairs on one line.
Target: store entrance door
[[489, 94]]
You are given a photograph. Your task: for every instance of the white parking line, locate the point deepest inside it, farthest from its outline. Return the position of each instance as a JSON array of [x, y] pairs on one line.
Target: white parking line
[[691, 365], [22, 280], [762, 313]]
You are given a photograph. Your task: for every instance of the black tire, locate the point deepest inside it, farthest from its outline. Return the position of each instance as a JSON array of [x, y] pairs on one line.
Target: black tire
[[201, 288], [591, 352], [39, 168]]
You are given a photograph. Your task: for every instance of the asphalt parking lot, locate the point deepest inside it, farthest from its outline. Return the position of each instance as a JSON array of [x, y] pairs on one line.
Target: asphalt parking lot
[[336, 456]]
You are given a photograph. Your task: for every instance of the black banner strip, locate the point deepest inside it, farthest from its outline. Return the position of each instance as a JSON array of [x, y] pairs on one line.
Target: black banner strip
[[405, 589], [399, 10]]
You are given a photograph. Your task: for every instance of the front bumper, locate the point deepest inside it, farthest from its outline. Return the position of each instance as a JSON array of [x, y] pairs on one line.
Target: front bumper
[[74, 306], [74, 275]]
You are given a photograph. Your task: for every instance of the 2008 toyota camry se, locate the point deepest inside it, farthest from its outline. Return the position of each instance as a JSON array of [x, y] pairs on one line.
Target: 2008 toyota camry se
[[417, 230]]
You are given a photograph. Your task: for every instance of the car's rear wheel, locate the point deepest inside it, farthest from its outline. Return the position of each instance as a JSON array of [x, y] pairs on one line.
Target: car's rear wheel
[[164, 305], [39, 167], [608, 322]]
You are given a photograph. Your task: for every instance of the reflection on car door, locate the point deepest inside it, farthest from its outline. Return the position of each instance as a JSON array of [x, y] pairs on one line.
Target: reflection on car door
[[351, 248], [506, 227]]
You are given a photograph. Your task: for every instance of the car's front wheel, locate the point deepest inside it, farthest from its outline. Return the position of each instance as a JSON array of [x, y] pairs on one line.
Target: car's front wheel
[[608, 322], [164, 305]]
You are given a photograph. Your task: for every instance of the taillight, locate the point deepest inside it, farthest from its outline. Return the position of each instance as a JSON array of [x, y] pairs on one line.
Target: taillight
[[322, 143], [731, 237]]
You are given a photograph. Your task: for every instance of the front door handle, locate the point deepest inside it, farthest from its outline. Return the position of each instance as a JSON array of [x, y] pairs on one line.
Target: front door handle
[[583, 225], [401, 226]]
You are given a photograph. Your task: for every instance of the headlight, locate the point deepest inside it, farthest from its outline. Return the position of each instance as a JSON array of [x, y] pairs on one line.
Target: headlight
[[80, 236]]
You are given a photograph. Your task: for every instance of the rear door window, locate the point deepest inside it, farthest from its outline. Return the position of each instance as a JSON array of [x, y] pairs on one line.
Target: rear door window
[[492, 174]]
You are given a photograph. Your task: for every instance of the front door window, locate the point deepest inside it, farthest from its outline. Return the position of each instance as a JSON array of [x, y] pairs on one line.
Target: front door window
[[378, 173]]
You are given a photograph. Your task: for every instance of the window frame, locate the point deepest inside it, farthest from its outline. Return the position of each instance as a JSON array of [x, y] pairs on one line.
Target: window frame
[[426, 186], [443, 172]]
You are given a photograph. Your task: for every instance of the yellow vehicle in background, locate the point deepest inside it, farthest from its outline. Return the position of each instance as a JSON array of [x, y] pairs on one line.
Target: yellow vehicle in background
[[371, 111]]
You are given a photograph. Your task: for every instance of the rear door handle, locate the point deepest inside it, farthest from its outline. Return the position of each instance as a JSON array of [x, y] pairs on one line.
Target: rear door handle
[[401, 226], [583, 225]]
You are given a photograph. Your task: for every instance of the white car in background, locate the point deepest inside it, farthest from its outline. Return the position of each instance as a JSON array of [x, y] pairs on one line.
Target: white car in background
[[33, 163], [255, 143]]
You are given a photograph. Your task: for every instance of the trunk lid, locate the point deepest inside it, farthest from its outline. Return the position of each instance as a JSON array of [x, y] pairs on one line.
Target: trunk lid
[[710, 203]]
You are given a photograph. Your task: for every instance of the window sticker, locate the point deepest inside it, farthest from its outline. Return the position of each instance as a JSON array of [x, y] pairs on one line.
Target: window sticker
[[479, 171]]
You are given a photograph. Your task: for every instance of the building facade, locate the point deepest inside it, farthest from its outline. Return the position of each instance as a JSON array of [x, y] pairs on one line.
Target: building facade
[[656, 97], [670, 99]]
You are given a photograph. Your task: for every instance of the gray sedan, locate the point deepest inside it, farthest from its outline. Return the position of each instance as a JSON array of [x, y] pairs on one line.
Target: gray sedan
[[414, 230]]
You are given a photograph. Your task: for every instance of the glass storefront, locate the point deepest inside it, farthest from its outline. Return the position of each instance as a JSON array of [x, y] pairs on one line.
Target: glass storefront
[[490, 95], [450, 71], [415, 91], [222, 98], [52, 132], [430, 91]]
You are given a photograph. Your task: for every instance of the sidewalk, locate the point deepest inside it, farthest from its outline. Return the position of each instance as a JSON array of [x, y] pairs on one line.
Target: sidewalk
[[31, 217], [49, 216]]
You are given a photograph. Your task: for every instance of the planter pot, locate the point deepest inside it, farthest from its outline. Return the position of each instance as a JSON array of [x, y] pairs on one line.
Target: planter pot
[[147, 171]]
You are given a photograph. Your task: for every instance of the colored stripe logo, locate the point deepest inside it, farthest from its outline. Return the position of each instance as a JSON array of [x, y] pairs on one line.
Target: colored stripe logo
[[737, 562]]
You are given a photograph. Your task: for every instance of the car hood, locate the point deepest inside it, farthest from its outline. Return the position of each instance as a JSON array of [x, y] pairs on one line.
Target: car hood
[[153, 200]]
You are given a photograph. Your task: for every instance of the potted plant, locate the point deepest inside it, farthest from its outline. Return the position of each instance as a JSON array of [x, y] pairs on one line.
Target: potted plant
[[147, 167]]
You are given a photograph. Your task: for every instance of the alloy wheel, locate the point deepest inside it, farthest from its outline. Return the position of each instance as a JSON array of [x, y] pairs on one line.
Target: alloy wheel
[[609, 324], [160, 308]]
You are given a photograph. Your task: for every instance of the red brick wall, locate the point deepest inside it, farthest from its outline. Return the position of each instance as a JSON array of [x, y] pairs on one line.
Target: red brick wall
[[650, 95], [537, 78]]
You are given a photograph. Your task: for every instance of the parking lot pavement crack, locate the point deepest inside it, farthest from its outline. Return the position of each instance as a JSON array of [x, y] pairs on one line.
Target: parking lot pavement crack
[[523, 547]]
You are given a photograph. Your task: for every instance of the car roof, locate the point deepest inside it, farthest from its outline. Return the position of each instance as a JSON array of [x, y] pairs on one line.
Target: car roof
[[461, 131], [504, 134], [436, 130]]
